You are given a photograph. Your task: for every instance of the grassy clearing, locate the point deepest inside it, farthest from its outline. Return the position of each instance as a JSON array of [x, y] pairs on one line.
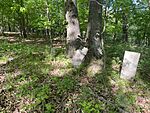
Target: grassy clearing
[[37, 78]]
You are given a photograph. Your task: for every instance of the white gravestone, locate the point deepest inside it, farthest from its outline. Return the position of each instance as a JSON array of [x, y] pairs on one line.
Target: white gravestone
[[78, 58], [130, 63]]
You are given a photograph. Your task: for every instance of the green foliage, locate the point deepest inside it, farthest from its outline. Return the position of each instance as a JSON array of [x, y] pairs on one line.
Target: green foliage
[[32, 71], [125, 99], [83, 14], [29, 80], [91, 107], [65, 84], [49, 108]]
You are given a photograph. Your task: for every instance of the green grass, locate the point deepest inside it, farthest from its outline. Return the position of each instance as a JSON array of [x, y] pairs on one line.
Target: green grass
[[41, 79]]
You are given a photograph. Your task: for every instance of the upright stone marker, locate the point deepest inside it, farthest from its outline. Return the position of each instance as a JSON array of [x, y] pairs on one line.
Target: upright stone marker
[[130, 63], [78, 58]]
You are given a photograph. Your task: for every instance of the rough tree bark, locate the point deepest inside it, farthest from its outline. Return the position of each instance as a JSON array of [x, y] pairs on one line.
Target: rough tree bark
[[94, 36], [73, 29]]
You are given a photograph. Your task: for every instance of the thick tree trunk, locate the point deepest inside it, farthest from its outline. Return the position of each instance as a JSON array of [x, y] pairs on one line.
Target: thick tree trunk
[[94, 30], [124, 28], [94, 36], [73, 30]]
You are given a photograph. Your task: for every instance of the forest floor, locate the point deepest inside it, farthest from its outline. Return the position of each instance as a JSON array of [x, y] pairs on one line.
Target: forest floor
[[35, 78]]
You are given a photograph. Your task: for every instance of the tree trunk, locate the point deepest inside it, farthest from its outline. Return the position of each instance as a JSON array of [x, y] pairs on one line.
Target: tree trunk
[[9, 26], [148, 42], [14, 24], [2, 20], [23, 29], [73, 30], [94, 36], [21, 20], [28, 28], [48, 18], [148, 36], [149, 4], [144, 33], [124, 28], [116, 23]]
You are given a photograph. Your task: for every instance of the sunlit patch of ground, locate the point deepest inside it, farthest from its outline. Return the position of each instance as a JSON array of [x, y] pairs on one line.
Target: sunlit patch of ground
[[134, 95], [33, 79], [59, 72], [143, 103], [2, 74], [10, 39], [59, 67], [85, 80], [13, 39]]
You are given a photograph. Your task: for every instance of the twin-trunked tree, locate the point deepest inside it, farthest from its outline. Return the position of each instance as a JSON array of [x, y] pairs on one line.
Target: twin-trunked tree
[[94, 33]]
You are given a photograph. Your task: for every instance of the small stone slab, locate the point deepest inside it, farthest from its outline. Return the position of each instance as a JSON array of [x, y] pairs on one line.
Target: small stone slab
[[78, 58], [130, 63]]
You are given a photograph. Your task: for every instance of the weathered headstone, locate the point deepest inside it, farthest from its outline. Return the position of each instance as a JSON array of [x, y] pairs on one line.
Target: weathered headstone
[[78, 58], [130, 63]]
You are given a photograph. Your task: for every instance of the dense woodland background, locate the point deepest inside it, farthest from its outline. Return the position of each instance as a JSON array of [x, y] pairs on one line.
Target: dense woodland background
[[36, 74]]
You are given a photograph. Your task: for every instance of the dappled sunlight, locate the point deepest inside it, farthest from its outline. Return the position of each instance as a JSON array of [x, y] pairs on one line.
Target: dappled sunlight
[[3, 60], [126, 93], [10, 39], [59, 67], [13, 39], [143, 103], [60, 63], [60, 72], [31, 72], [85, 80], [69, 56], [21, 106], [2, 78], [37, 77], [95, 67]]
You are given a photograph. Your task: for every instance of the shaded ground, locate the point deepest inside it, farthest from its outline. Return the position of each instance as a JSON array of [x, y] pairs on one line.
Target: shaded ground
[[38, 79]]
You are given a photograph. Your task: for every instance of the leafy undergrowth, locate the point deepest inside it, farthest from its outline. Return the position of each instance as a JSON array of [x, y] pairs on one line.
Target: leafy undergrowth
[[38, 79]]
